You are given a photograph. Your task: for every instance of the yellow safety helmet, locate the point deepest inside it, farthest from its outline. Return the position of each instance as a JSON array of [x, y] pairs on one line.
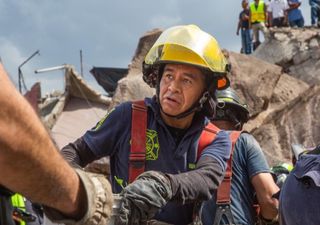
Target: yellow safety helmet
[[190, 45]]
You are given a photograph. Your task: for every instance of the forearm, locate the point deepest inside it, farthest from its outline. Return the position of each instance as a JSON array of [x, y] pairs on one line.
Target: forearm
[[29, 161], [265, 188], [198, 184], [238, 27]]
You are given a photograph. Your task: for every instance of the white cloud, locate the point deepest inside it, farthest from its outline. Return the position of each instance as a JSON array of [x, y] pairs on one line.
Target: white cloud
[[162, 21], [106, 31], [11, 57]]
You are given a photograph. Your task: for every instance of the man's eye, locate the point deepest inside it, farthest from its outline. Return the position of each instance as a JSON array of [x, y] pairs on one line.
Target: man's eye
[[187, 81]]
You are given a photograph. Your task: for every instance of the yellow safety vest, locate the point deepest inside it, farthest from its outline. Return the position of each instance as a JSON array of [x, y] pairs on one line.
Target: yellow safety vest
[[18, 201], [257, 14]]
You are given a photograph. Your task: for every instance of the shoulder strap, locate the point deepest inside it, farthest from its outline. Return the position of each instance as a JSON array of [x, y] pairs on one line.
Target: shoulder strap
[[208, 134], [137, 155], [224, 190]]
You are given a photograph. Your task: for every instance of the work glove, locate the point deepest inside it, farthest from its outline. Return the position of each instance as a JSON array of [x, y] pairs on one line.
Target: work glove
[[99, 202], [143, 198]]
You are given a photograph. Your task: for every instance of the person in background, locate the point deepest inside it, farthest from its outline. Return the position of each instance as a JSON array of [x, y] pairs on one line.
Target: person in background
[[300, 194], [258, 18], [243, 25], [269, 21], [315, 12], [278, 13], [251, 176], [295, 16], [31, 165], [165, 179]]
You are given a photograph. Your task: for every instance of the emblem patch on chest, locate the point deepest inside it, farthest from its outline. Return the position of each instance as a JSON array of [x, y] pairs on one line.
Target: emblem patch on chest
[[152, 145]]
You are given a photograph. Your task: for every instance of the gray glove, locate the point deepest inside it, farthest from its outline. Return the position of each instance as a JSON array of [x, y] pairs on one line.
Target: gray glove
[[143, 198], [99, 198]]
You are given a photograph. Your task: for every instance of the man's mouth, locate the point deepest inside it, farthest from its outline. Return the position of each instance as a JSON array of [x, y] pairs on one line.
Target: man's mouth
[[172, 99]]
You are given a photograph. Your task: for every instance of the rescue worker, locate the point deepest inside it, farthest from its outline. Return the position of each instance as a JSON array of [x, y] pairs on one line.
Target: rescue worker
[[39, 171], [186, 66], [258, 18], [25, 212], [315, 12], [299, 196], [295, 16], [278, 13], [250, 171], [243, 25]]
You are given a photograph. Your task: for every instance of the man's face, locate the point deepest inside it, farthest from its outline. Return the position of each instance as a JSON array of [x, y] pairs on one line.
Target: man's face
[[244, 4], [224, 124], [180, 87]]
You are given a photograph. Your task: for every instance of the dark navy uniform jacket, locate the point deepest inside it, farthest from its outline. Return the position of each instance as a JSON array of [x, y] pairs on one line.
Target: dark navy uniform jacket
[[111, 137], [300, 194]]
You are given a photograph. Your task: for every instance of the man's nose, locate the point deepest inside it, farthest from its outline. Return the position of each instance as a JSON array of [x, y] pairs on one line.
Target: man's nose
[[174, 86]]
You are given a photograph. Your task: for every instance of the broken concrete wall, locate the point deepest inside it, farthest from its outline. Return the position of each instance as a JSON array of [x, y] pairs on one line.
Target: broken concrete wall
[[297, 51]]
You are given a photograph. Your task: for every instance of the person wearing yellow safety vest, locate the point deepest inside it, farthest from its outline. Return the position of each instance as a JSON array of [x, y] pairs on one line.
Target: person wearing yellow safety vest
[[258, 18]]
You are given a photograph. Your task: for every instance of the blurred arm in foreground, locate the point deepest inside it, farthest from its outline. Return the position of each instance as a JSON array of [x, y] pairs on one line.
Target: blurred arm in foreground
[[39, 172]]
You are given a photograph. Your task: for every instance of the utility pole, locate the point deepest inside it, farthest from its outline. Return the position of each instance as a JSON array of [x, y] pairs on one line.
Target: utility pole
[[20, 75], [81, 63]]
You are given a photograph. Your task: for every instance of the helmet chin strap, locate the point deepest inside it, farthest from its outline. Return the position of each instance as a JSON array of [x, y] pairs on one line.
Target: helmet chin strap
[[238, 124], [194, 108]]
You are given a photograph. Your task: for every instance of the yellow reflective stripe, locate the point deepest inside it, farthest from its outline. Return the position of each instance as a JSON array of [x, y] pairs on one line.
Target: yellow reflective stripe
[[289, 167], [191, 166], [18, 201], [226, 99], [102, 120], [119, 182]]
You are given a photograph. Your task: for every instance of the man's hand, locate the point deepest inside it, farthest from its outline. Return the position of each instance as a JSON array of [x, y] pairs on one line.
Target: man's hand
[[143, 198], [96, 207]]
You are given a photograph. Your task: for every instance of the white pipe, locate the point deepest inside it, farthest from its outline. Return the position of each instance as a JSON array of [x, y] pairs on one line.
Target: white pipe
[[51, 69]]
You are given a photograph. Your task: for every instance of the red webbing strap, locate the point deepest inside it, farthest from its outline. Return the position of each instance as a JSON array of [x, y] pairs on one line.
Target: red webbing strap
[[224, 190], [138, 140], [208, 134]]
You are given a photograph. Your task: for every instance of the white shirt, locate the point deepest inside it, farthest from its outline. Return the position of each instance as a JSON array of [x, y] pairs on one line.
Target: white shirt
[[277, 7]]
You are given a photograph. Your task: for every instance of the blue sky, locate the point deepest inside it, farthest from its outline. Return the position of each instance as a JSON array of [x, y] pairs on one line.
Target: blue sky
[[107, 31]]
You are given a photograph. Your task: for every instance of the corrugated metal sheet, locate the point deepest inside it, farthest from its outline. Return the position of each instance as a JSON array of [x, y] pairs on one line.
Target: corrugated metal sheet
[[77, 117]]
